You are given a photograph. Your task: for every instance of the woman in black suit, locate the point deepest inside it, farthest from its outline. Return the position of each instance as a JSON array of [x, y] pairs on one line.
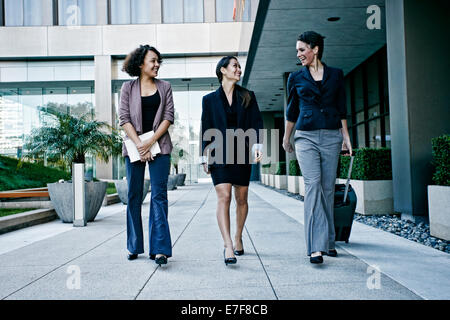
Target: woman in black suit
[[317, 109], [231, 107]]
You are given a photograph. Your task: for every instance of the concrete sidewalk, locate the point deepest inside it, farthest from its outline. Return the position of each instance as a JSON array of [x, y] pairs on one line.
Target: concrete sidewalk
[[43, 262]]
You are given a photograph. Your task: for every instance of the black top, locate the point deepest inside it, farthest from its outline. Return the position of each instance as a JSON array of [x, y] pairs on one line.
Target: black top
[[150, 105], [231, 111], [319, 83]]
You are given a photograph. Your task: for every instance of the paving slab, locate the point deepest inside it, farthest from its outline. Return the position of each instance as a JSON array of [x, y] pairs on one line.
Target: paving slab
[[275, 265]]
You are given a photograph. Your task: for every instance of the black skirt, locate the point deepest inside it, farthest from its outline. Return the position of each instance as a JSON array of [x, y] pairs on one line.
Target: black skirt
[[236, 174]]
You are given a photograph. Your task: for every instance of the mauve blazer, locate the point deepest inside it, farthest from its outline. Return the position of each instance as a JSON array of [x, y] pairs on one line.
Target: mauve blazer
[[130, 110]]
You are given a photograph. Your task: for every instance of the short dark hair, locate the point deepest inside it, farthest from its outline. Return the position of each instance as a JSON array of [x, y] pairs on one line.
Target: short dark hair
[[313, 39], [135, 59]]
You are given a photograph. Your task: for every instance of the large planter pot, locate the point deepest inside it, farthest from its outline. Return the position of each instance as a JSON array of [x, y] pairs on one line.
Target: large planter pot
[[301, 186], [280, 182], [172, 182], [122, 189], [374, 197], [271, 180], [181, 178], [439, 211], [61, 196], [262, 176], [292, 184]]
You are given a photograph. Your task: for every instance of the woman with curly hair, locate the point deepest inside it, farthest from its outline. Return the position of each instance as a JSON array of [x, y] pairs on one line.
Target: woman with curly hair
[[146, 104]]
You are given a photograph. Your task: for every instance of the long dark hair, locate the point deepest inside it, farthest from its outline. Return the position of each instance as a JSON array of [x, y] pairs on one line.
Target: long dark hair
[[243, 93], [313, 39], [135, 59]]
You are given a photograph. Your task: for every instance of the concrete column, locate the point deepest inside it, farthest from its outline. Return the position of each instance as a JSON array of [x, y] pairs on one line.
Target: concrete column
[[103, 106], [418, 96], [209, 11], [156, 11], [102, 12]]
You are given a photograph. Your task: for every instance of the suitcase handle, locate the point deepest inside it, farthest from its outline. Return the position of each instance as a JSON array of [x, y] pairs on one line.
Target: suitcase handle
[[347, 183]]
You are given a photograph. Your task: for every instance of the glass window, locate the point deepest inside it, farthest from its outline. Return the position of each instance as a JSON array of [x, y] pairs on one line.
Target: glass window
[[140, 11], [33, 12], [24, 12], [359, 96], [372, 83], [77, 12], [10, 121], [13, 13], [81, 100], [374, 134], [361, 135], [224, 10], [120, 11], [193, 11], [173, 11]]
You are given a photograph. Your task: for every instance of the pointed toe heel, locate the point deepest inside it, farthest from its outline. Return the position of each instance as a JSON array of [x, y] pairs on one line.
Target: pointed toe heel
[[228, 260], [316, 259], [161, 260]]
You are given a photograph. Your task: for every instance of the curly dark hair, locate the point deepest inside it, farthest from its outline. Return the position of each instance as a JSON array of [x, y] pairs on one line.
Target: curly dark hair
[[135, 59]]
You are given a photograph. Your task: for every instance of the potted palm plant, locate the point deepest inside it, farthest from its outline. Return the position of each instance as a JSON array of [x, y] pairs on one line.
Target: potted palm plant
[[70, 139], [178, 153]]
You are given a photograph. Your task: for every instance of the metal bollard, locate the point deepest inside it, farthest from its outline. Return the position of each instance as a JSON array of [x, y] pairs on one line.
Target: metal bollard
[[79, 216]]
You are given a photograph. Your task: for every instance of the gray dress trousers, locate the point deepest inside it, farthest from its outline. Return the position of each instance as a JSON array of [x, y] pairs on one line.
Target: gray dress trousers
[[317, 152]]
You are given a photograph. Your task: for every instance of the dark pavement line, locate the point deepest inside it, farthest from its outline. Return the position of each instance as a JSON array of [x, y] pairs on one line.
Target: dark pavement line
[[173, 245], [62, 265]]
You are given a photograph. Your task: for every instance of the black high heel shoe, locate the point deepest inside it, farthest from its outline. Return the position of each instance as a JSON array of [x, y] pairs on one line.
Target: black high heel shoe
[[316, 259], [161, 260], [239, 252], [132, 256], [332, 253], [228, 260]]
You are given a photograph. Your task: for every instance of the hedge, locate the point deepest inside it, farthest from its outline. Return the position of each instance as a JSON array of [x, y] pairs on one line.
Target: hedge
[[280, 168], [369, 164], [27, 175], [441, 159], [294, 168]]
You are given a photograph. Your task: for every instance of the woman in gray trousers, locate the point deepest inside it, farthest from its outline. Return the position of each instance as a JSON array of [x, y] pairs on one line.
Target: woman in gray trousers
[[317, 109]]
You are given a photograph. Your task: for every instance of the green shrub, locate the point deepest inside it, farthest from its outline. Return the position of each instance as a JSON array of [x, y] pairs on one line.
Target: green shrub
[[294, 168], [369, 164], [265, 168], [27, 175], [280, 169], [111, 189], [441, 160]]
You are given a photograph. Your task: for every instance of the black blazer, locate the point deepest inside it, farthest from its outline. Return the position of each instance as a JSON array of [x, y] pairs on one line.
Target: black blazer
[[214, 117], [312, 108]]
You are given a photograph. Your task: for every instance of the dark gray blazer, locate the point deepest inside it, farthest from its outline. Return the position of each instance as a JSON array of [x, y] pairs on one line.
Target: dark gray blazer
[[130, 110]]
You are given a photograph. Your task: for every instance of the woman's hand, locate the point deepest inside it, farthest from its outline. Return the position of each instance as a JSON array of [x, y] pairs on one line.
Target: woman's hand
[[347, 146], [147, 157], [287, 146], [205, 168], [258, 156], [142, 148], [145, 146]]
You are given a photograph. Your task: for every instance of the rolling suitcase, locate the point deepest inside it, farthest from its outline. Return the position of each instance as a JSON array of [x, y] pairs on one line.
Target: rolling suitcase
[[344, 207]]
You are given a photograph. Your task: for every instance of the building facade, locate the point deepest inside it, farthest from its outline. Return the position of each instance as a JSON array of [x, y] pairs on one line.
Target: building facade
[[69, 54]]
